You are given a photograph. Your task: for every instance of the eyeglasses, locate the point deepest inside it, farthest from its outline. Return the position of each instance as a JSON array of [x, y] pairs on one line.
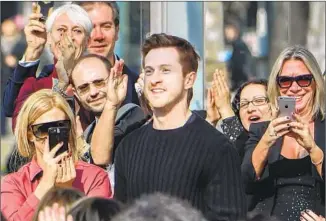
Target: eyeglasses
[[302, 80], [41, 130], [257, 101], [84, 88]]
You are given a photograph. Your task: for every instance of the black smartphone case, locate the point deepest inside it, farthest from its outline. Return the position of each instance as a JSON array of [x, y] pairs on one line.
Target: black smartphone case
[[56, 135], [45, 9]]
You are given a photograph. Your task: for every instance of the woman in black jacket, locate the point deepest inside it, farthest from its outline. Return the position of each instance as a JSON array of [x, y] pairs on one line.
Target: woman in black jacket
[[283, 166]]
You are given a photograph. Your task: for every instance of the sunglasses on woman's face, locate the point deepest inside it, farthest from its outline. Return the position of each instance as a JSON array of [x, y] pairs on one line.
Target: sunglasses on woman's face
[[287, 81], [41, 130]]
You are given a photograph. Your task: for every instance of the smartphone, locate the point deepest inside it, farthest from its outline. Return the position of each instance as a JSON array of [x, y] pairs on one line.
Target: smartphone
[[71, 102], [56, 135], [45, 9], [286, 106]]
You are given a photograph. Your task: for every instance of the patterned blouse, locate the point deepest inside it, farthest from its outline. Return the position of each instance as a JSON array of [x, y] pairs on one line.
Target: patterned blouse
[[232, 128]]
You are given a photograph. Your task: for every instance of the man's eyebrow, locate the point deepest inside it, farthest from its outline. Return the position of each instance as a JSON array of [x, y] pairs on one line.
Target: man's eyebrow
[[149, 67], [106, 23]]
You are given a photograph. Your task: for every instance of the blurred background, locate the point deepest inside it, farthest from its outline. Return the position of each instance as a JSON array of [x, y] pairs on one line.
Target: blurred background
[[218, 30]]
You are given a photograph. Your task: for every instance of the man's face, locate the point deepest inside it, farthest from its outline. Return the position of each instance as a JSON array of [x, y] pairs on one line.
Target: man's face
[[104, 33], [164, 83], [90, 84], [64, 26]]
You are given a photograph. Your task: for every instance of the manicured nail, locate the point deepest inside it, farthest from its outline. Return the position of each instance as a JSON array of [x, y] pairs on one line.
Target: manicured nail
[[288, 125], [288, 118]]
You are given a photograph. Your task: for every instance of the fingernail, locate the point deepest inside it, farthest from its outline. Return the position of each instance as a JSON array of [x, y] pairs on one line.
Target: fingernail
[[308, 211], [287, 118], [288, 125], [301, 218]]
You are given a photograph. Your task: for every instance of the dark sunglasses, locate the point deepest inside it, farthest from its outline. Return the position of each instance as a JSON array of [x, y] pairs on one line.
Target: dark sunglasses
[[41, 130], [302, 80]]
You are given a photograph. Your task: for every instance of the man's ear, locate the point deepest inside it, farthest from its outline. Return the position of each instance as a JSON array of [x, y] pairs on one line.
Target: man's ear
[[190, 80], [75, 92]]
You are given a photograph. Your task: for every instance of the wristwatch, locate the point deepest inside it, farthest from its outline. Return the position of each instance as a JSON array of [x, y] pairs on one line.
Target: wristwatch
[[59, 90]]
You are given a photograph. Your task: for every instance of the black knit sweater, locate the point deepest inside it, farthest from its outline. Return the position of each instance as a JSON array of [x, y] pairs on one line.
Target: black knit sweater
[[194, 162]]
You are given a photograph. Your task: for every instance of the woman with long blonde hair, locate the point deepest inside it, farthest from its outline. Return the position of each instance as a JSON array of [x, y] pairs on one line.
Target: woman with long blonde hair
[[22, 191], [284, 165]]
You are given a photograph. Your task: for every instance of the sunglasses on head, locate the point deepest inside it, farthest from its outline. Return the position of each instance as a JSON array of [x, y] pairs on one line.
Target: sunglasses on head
[[41, 130], [287, 81]]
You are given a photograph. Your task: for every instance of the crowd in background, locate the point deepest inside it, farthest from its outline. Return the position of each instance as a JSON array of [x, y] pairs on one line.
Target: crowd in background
[[97, 141]]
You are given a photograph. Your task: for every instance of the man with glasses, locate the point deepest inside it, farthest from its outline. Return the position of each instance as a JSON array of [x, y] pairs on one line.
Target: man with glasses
[[101, 90]]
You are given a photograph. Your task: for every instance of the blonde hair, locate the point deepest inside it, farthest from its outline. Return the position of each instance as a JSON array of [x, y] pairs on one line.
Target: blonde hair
[[298, 52], [36, 105]]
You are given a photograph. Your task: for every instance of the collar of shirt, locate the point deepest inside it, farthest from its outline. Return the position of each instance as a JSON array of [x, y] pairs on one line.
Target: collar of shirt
[[35, 169]]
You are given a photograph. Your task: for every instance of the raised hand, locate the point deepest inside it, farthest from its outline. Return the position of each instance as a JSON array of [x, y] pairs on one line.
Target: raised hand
[[117, 85], [213, 116], [68, 54], [36, 35], [221, 94]]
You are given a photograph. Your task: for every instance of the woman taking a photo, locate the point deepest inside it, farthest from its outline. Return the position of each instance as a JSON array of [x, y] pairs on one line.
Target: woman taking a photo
[[22, 191], [284, 158]]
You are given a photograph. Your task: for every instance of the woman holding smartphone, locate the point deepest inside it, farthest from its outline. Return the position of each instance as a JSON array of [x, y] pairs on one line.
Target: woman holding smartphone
[[284, 158], [22, 191]]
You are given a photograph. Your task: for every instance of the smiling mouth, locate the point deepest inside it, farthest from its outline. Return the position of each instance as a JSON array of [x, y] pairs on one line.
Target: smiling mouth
[[254, 118], [157, 91]]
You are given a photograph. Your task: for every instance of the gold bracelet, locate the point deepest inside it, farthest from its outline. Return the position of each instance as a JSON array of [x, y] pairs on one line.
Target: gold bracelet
[[320, 162]]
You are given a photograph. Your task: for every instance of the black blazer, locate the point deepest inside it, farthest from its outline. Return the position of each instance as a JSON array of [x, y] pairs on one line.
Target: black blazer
[[265, 186]]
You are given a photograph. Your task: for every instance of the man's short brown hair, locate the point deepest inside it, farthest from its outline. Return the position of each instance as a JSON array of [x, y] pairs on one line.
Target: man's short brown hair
[[189, 58], [88, 5]]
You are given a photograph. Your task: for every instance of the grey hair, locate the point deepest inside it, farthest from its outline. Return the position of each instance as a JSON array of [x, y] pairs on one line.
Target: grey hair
[[298, 52], [75, 13], [158, 207]]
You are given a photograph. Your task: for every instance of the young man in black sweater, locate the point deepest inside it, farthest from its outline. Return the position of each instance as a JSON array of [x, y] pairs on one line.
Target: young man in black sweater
[[178, 153]]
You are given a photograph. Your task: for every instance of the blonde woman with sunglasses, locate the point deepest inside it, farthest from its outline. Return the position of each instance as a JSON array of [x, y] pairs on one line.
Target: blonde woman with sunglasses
[[22, 191], [284, 164]]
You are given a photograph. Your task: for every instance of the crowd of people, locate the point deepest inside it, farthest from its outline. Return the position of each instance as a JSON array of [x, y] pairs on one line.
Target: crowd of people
[[131, 147]]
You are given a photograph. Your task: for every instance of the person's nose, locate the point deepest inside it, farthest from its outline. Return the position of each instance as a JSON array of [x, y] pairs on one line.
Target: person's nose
[[155, 78], [97, 34], [294, 87], [251, 107], [93, 91]]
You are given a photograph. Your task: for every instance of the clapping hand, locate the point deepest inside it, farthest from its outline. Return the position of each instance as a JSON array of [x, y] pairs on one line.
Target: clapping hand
[[213, 116], [54, 213], [68, 54], [221, 94]]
